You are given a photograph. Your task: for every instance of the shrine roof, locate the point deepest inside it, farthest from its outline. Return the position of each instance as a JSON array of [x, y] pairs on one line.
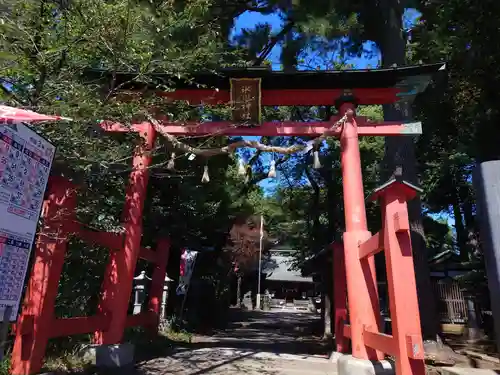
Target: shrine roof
[[304, 79]]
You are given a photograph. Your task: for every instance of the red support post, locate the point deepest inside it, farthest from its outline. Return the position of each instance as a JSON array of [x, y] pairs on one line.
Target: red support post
[[339, 298], [401, 282], [117, 284], [158, 283], [79, 325], [37, 316], [361, 279]]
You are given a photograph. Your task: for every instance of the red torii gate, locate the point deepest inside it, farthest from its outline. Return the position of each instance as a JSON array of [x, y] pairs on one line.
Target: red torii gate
[[383, 86]]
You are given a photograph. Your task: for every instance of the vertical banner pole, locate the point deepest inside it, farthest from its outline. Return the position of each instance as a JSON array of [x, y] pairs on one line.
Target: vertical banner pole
[[260, 260]]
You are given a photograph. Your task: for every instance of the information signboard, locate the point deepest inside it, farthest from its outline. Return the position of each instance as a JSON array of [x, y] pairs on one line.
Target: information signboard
[[25, 162]]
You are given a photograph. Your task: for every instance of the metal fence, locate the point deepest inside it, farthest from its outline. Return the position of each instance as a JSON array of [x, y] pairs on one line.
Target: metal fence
[[451, 303]]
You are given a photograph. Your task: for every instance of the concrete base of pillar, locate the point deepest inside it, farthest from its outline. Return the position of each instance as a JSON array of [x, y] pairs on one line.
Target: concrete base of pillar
[[348, 365], [334, 356], [118, 356]]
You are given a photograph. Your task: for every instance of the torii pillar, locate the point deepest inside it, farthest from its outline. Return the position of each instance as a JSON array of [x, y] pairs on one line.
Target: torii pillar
[[361, 278], [117, 284]]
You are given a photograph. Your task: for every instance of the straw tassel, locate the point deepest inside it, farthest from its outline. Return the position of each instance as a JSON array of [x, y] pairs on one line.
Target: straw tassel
[[241, 168], [171, 162], [316, 163], [205, 178], [272, 170]]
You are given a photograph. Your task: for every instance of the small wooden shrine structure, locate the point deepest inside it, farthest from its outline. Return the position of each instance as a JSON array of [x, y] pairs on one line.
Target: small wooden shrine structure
[[354, 272]]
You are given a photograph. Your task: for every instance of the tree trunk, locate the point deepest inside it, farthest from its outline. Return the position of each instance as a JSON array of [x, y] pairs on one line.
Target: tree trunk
[[400, 158], [327, 333], [332, 200], [238, 290], [471, 227], [314, 212], [460, 228], [322, 312], [328, 302]]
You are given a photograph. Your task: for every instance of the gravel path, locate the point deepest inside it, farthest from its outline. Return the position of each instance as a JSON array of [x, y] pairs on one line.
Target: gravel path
[[254, 342]]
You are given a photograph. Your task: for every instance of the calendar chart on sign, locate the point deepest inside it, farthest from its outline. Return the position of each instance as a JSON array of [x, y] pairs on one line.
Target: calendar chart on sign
[[25, 162], [14, 253], [24, 171]]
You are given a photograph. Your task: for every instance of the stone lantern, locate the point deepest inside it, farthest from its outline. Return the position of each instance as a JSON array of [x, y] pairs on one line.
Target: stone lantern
[[140, 283], [164, 298]]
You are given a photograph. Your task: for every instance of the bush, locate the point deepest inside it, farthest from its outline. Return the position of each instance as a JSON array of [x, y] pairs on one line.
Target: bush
[[5, 365]]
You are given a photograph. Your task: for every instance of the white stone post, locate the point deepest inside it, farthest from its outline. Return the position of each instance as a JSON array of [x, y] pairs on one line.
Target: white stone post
[[163, 313]]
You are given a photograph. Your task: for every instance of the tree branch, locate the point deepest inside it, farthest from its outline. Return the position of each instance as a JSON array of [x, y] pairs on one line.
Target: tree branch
[[272, 43]]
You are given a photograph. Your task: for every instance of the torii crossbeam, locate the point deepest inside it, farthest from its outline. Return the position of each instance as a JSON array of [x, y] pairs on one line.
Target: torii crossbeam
[[289, 128], [361, 87]]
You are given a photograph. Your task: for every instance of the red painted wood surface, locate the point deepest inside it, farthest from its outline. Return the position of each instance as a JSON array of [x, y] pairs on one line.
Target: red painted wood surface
[[406, 343], [117, 284], [38, 306], [371, 246], [401, 282], [112, 241], [78, 325], [158, 283], [380, 341], [347, 330], [287, 97], [288, 128], [361, 278]]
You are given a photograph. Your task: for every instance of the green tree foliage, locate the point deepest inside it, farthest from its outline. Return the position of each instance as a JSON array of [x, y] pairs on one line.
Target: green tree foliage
[[462, 124], [321, 28], [306, 210], [47, 48]]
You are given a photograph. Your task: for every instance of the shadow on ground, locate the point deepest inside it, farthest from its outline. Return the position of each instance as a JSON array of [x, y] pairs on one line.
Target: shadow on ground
[[253, 342], [275, 332]]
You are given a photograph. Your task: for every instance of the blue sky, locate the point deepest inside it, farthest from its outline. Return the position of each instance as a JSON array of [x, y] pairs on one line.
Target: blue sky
[[250, 19]]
